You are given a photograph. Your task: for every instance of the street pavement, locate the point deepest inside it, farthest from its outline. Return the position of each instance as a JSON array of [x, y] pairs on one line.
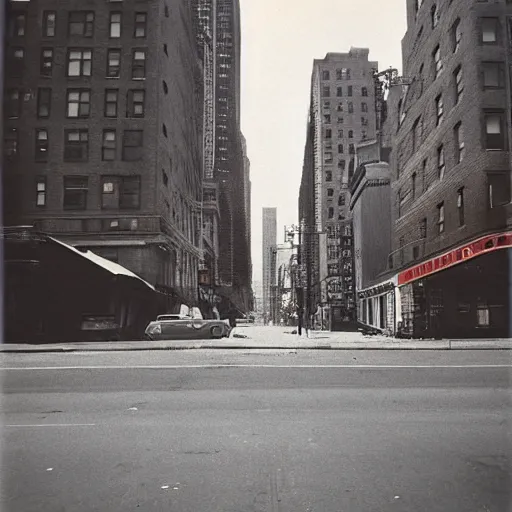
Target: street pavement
[[258, 336], [257, 430]]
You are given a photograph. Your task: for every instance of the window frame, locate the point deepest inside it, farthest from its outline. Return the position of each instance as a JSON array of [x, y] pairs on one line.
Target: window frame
[[500, 114], [82, 62], [41, 191], [138, 24], [47, 26], [458, 82], [42, 145], [441, 218], [126, 147], [441, 162], [458, 139], [82, 142], [80, 102], [107, 102], [500, 71], [44, 59], [82, 187], [460, 206], [136, 63], [437, 61], [87, 25], [496, 32], [43, 91], [108, 146], [112, 25]]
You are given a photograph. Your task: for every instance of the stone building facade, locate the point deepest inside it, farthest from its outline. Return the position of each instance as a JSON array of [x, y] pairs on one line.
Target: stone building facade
[[103, 139]]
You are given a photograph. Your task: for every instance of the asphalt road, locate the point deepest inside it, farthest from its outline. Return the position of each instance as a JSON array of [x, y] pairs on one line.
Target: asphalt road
[[258, 431]]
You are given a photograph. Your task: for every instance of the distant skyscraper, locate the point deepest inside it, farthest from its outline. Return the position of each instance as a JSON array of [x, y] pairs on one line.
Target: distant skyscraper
[[269, 242]]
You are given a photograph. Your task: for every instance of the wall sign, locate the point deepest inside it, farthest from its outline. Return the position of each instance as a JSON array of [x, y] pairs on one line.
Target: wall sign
[[466, 252]]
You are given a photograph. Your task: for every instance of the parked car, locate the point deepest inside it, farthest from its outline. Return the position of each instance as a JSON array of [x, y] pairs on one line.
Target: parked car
[[180, 327]]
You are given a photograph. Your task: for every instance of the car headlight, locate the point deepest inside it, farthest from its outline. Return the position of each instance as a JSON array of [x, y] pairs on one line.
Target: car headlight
[[155, 329]]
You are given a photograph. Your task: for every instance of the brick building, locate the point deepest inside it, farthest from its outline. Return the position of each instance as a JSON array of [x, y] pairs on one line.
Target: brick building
[[103, 132], [342, 114], [451, 115], [269, 242]]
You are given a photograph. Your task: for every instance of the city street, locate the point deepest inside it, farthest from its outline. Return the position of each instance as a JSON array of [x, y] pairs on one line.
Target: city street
[[257, 430]]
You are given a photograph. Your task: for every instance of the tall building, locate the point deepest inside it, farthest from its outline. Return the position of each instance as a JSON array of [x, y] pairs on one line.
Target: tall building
[[342, 113], [451, 168], [222, 17], [103, 133], [269, 226]]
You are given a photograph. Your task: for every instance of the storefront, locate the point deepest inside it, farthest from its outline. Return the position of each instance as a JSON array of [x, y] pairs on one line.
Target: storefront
[[376, 307], [463, 293]]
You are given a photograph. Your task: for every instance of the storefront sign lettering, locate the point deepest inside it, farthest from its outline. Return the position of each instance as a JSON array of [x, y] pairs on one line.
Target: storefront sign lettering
[[472, 250]]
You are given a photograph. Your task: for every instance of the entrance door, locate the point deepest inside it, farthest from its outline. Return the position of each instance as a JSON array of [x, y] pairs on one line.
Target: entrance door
[[382, 311], [435, 313]]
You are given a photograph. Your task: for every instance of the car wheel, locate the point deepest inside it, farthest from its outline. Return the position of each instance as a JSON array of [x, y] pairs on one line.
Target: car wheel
[[216, 331]]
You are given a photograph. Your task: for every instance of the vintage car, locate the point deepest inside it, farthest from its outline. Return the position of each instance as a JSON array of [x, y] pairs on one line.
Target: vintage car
[[181, 327]]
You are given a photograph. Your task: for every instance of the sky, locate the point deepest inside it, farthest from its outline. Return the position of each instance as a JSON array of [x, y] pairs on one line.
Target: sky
[[280, 39]]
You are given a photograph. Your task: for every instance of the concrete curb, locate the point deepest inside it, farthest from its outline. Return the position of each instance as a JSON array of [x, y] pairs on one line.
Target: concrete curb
[[111, 346]]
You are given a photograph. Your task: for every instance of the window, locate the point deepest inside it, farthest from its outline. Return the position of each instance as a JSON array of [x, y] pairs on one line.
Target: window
[[139, 64], [328, 158], [439, 110], [424, 174], [350, 107], [49, 23], [113, 63], [17, 24], [341, 200], [135, 103], [109, 147], [340, 120], [350, 90], [46, 67], [434, 16], [456, 35], [420, 80], [325, 75], [364, 107], [459, 83], [401, 244], [78, 103], [339, 75], [164, 130], [16, 61], [458, 138], [482, 315], [327, 118], [326, 91], [328, 176], [339, 91], [165, 50], [75, 192], [341, 164], [44, 102], [347, 74], [81, 23], [494, 131], [460, 206], [363, 134], [489, 34], [364, 121], [327, 105], [340, 134], [351, 149], [498, 185], [76, 145], [364, 91], [328, 133], [120, 192], [331, 212], [115, 25], [440, 218], [340, 107], [340, 149], [132, 145], [140, 24], [423, 228], [415, 252], [79, 62], [111, 99], [493, 75], [413, 185], [42, 145], [416, 134], [12, 102], [441, 166], [351, 165], [10, 143], [438, 63], [330, 192], [41, 191], [351, 134]]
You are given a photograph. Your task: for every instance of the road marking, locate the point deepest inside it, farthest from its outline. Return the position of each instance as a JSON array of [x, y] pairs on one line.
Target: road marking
[[53, 425], [281, 366]]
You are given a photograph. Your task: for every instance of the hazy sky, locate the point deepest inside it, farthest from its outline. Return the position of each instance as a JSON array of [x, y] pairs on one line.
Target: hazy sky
[[280, 39]]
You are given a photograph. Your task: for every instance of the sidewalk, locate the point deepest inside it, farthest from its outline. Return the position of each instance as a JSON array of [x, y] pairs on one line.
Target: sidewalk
[[264, 337]]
